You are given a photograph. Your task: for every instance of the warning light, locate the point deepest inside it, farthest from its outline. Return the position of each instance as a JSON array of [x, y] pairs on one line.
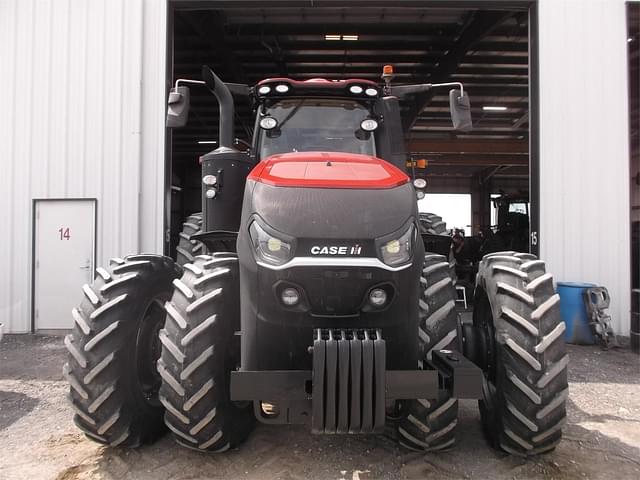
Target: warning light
[[420, 163], [387, 75]]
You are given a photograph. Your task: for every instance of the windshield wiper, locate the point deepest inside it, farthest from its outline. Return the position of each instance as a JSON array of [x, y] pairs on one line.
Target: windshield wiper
[[291, 114]]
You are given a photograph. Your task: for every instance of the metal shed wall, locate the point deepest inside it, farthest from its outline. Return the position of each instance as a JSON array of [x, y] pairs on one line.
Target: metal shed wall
[[584, 138], [83, 117]]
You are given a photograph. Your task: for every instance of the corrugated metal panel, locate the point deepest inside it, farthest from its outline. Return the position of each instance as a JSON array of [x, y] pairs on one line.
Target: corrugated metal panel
[[584, 160], [153, 130], [73, 76]]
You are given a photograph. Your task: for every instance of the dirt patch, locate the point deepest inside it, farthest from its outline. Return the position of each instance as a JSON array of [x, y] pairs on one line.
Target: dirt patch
[[31, 357], [602, 436], [14, 406]]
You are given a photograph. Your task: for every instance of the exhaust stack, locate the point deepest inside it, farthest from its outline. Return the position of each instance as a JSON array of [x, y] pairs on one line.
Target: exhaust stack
[[225, 100]]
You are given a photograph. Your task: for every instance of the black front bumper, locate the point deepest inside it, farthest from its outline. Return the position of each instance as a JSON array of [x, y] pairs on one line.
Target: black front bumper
[[349, 388]]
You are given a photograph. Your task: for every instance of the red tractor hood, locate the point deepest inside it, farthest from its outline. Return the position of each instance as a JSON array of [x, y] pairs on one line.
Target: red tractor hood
[[327, 170]]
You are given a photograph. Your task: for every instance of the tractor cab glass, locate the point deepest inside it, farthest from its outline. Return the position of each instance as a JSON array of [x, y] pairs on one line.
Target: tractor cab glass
[[315, 125], [519, 207]]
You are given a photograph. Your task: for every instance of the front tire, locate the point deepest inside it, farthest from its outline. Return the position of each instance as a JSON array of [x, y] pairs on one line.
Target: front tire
[[429, 424], [113, 351], [199, 353], [522, 352]]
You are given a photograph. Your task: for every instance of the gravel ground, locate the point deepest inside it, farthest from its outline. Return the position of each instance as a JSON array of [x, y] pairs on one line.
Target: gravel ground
[[39, 441]]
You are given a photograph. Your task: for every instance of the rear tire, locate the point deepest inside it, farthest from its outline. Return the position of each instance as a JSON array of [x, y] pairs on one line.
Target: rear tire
[[187, 248], [426, 424], [199, 351], [113, 351], [432, 223], [522, 352]]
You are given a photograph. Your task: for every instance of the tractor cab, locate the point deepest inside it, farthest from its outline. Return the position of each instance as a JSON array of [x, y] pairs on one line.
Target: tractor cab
[[512, 222], [319, 115]]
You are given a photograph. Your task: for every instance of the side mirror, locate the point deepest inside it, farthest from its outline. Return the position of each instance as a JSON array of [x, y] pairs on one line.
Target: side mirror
[[460, 111], [178, 107]]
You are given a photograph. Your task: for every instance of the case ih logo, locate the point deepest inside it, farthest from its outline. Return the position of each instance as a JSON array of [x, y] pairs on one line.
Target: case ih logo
[[336, 250]]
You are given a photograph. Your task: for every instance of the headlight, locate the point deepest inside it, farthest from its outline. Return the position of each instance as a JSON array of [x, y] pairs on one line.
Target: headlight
[[397, 251], [269, 248], [210, 180], [369, 124], [420, 183], [268, 123]]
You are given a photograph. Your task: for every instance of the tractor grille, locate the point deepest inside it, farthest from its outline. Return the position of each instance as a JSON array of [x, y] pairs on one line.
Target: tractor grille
[[338, 291]]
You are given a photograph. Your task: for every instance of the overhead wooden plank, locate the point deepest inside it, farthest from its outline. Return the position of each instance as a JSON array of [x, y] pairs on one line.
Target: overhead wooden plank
[[470, 146]]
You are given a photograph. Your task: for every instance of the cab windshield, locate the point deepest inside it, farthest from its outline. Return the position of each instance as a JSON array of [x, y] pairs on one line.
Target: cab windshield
[[316, 125]]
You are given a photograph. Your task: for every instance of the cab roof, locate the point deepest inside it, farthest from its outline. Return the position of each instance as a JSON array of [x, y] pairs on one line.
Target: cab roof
[[280, 87]]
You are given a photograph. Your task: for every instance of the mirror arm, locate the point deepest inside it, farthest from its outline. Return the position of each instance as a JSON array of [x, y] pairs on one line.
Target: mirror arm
[[403, 90], [187, 81], [240, 89], [450, 84]]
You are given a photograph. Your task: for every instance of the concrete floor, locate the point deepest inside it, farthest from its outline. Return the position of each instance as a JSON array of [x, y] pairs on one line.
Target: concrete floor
[[39, 441]]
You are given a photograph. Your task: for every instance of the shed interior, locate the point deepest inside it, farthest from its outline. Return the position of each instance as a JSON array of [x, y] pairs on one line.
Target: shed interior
[[487, 50]]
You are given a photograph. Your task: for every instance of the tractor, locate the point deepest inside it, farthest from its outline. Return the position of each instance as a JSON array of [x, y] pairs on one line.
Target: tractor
[[314, 300], [512, 229]]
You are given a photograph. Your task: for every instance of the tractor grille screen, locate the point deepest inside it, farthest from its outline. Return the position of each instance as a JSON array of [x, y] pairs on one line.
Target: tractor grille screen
[[338, 291]]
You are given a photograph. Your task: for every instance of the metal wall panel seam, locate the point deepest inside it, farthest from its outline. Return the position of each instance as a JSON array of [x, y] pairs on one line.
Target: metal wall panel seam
[[137, 134]]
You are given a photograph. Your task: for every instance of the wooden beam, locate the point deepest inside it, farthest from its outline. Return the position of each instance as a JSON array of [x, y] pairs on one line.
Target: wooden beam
[[433, 169], [469, 146], [477, 161]]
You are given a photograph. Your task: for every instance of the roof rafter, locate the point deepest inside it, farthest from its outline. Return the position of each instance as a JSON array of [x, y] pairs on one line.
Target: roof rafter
[[210, 26], [478, 25]]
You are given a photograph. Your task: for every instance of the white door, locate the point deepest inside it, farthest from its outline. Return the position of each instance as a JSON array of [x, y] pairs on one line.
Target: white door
[[64, 257]]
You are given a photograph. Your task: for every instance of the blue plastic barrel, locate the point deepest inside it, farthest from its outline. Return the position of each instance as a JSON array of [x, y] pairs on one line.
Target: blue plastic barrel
[[574, 313]]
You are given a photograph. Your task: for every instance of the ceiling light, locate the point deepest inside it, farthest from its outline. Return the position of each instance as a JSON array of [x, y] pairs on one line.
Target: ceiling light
[[204, 142], [493, 108], [348, 38]]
